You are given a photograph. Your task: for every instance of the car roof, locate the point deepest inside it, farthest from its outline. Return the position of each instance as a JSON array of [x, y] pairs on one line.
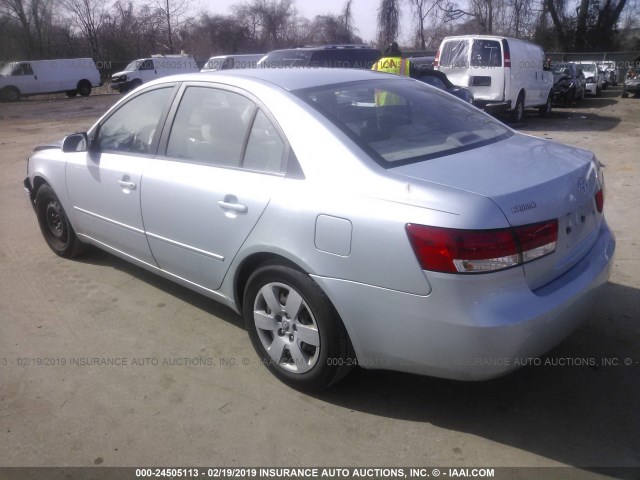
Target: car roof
[[287, 78], [311, 48]]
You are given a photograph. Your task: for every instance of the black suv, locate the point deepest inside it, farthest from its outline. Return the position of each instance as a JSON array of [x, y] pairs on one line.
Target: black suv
[[328, 56]]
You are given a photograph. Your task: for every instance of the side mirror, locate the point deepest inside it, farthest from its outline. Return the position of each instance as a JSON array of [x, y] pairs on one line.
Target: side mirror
[[76, 142]]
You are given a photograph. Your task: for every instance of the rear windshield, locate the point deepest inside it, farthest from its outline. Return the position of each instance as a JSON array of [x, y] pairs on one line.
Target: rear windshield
[[345, 58], [401, 121], [486, 53]]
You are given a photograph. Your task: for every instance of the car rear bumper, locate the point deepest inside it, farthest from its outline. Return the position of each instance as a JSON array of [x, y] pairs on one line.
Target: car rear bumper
[[469, 328], [632, 88], [591, 88], [492, 106]]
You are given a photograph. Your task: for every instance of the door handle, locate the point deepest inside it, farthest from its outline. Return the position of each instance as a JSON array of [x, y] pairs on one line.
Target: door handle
[[125, 184], [236, 207]]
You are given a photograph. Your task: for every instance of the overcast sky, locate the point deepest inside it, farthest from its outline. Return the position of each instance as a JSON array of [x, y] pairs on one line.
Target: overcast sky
[[364, 11]]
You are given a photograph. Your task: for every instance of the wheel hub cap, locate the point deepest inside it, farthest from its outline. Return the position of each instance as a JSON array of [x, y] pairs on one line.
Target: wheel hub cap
[[286, 327]]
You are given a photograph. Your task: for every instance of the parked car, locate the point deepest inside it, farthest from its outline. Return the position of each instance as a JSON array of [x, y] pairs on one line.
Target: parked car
[[439, 80], [594, 78], [422, 63], [611, 74], [631, 83], [226, 62], [144, 70], [423, 236], [503, 74], [568, 83], [328, 56], [72, 76]]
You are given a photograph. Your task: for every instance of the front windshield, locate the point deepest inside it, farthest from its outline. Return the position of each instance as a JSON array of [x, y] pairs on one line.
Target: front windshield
[[5, 71], [589, 68], [133, 66], [399, 122], [561, 70]]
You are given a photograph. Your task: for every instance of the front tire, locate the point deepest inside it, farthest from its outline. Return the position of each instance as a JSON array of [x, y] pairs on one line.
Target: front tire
[[54, 224], [295, 329], [10, 94]]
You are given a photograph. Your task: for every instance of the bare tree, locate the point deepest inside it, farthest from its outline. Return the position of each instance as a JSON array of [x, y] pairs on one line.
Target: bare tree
[[272, 23], [33, 17], [594, 23], [88, 15], [388, 21], [172, 17], [347, 18], [482, 11], [421, 10]]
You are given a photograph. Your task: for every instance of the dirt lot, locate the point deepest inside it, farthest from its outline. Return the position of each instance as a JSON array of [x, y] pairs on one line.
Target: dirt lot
[[157, 410]]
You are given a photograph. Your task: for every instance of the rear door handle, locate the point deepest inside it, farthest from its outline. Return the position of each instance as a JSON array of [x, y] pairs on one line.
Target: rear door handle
[[125, 184], [236, 207]]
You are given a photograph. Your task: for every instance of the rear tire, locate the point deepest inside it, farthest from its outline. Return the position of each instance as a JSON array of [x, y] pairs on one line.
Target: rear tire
[[624, 95], [545, 110], [54, 224], [84, 88], [517, 115], [295, 329]]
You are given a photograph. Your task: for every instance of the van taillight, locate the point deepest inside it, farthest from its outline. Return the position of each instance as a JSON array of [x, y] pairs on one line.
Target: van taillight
[[506, 53], [436, 61], [451, 250]]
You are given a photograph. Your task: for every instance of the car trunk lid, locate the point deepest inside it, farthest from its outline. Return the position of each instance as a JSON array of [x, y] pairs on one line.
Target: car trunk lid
[[530, 180]]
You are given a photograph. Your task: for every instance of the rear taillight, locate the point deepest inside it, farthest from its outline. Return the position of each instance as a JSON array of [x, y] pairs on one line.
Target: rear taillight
[[451, 250], [506, 53], [600, 200], [537, 240], [436, 61]]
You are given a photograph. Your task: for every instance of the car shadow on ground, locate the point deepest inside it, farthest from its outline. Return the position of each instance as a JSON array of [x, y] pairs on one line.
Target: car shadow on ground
[[94, 256], [578, 406]]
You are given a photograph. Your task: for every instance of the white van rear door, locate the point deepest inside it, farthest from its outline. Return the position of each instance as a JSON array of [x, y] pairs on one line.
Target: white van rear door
[[453, 60], [487, 70]]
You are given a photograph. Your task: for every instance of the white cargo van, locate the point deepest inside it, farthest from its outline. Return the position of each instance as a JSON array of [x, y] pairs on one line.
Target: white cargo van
[[144, 70], [35, 77], [226, 62], [503, 74]]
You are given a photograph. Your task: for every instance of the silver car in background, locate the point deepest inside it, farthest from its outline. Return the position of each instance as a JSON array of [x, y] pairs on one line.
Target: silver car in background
[[351, 217]]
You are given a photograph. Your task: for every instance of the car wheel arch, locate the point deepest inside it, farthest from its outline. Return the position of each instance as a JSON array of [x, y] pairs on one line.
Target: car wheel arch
[[250, 264]]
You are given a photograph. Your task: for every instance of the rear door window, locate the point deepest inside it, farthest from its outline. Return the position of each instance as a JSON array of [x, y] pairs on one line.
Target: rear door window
[[486, 53]]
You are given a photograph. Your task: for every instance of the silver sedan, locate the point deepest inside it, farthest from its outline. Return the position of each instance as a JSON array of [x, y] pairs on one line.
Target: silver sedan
[[352, 217]]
